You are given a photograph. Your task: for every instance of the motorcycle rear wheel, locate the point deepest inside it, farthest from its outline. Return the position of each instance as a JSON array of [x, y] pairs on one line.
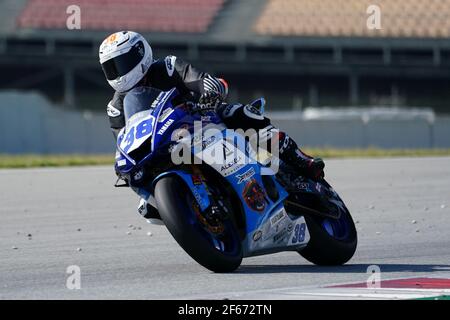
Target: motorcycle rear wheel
[[332, 241], [329, 246]]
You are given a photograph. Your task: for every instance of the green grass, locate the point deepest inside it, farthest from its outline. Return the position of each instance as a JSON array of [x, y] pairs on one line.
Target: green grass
[[444, 297], [31, 161]]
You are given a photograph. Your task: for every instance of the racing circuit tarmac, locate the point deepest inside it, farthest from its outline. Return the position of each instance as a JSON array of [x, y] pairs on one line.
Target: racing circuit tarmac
[[76, 217]]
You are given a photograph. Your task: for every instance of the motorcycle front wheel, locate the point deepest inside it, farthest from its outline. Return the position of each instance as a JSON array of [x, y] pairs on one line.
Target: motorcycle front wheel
[[219, 251]]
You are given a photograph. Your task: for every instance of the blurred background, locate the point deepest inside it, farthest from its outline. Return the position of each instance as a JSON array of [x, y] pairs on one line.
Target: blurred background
[[328, 78]]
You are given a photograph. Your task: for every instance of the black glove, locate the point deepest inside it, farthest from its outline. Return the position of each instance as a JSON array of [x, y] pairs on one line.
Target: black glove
[[209, 100]]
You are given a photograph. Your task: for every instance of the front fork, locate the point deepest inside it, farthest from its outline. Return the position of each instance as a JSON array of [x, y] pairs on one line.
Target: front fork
[[211, 212], [212, 207], [195, 181]]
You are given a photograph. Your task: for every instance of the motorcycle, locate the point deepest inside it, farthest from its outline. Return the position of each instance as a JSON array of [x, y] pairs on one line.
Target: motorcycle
[[220, 212]]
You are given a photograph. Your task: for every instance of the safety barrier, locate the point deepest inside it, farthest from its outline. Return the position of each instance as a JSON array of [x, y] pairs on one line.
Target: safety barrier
[[31, 124]]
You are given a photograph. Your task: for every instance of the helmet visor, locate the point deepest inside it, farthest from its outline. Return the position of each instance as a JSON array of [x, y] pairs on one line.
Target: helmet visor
[[121, 65]]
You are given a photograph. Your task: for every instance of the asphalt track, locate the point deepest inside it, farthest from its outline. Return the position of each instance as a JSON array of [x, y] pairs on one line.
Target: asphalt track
[[76, 217]]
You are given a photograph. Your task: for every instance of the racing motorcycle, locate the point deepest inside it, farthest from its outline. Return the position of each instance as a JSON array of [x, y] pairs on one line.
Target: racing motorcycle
[[220, 212]]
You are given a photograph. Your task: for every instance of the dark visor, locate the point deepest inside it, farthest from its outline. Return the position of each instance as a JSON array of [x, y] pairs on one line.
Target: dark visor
[[121, 65]]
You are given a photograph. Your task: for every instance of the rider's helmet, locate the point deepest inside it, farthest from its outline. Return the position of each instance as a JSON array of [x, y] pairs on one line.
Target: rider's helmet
[[125, 57]]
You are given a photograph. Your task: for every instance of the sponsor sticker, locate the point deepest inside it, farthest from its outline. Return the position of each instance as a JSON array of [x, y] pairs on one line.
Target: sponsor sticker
[[277, 217], [165, 126], [228, 151], [198, 197], [230, 164], [246, 175], [165, 114], [290, 227], [280, 235], [257, 235], [231, 167], [254, 196]]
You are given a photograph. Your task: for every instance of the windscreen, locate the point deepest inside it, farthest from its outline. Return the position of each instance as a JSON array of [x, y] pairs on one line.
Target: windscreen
[[139, 99]]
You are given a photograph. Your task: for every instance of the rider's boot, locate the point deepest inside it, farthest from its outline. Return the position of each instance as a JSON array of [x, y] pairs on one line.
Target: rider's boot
[[302, 163]]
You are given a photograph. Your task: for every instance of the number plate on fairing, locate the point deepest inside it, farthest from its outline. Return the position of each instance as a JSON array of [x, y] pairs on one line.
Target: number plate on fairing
[[299, 234], [279, 231], [139, 128]]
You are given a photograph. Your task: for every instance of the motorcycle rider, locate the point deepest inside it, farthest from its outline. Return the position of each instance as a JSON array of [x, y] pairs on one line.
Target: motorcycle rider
[[127, 61]]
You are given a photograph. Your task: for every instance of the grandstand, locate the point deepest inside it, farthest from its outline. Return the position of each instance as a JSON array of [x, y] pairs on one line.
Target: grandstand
[[297, 53], [347, 18], [140, 15]]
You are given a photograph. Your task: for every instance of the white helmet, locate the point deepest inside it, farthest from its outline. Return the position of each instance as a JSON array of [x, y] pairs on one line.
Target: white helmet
[[125, 57]]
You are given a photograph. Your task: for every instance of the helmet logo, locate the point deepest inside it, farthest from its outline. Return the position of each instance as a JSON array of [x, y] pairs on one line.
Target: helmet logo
[[111, 38]]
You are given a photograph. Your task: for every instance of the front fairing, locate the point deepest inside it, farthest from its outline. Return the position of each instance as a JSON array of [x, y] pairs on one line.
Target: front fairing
[[152, 130], [142, 107]]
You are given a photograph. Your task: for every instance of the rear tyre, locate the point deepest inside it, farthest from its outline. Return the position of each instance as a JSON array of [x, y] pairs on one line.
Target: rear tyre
[[332, 242], [175, 205]]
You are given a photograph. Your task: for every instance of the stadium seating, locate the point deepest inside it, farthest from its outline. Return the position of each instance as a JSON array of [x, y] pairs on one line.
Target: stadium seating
[[399, 18], [187, 16]]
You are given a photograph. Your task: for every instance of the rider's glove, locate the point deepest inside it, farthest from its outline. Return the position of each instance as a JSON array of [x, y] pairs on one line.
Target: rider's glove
[[209, 100], [316, 167]]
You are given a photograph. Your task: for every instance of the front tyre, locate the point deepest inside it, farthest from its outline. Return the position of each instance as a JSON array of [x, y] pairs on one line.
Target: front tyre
[[176, 205]]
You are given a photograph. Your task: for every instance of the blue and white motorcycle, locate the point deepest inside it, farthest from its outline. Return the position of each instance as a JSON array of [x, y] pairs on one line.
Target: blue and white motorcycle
[[220, 212]]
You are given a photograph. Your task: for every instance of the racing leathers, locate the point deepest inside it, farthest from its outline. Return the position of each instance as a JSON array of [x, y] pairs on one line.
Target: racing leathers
[[209, 91]]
